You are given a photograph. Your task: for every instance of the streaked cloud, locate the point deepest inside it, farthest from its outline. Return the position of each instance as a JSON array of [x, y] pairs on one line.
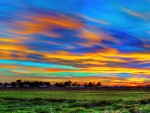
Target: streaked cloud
[[78, 40]]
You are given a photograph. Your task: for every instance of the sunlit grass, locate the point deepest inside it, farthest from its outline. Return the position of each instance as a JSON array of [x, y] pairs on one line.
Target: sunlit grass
[[76, 95], [74, 101]]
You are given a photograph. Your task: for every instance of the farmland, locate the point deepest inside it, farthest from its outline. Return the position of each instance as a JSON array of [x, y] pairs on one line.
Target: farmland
[[75, 101]]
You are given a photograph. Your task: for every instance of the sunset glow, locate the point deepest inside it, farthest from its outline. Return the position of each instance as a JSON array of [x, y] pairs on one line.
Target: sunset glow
[[78, 40]]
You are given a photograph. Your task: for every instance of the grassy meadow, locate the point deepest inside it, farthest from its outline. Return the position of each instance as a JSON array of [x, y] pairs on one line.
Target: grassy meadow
[[85, 101]]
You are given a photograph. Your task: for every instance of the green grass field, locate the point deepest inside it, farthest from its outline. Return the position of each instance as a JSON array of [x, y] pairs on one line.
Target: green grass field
[[28, 101]]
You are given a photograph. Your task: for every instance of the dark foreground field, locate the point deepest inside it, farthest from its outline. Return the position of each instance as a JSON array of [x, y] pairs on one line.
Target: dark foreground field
[[75, 101]]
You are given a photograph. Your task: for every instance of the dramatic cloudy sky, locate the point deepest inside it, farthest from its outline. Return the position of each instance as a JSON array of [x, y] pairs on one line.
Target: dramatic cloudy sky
[[79, 40]]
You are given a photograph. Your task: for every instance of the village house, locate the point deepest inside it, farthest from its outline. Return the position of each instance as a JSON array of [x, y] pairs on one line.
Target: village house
[[43, 86], [26, 85], [9, 85]]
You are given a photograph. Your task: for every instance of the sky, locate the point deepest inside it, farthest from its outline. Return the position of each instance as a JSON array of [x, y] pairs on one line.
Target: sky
[[78, 40]]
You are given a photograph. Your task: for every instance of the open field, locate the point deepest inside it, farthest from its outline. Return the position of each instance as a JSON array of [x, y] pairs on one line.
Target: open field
[[75, 101]]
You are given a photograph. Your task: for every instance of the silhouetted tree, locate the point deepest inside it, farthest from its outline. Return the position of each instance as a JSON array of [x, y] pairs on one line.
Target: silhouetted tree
[[40, 83], [13, 84], [48, 84], [1, 84], [74, 84], [58, 84], [78, 85], [27, 82], [18, 82], [99, 83], [90, 84], [5, 84], [35, 84], [31, 84], [93, 84], [85, 84], [21, 84], [68, 83]]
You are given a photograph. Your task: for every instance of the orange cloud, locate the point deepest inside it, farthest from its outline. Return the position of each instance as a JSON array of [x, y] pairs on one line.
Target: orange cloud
[[43, 24], [57, 70], [8, 40], [91, 36], [12, 47], [97, 60]]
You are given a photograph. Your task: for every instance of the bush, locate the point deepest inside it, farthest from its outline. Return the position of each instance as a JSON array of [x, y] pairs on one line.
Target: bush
[[145, 101], [117, 106], [146, 110], [135, 110]]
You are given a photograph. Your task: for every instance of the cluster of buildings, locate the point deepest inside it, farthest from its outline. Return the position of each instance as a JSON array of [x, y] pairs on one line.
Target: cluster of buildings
[[67, 84], [19, 83]]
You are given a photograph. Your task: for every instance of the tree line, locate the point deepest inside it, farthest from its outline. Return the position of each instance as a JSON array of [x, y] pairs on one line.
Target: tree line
[[69, 83]]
